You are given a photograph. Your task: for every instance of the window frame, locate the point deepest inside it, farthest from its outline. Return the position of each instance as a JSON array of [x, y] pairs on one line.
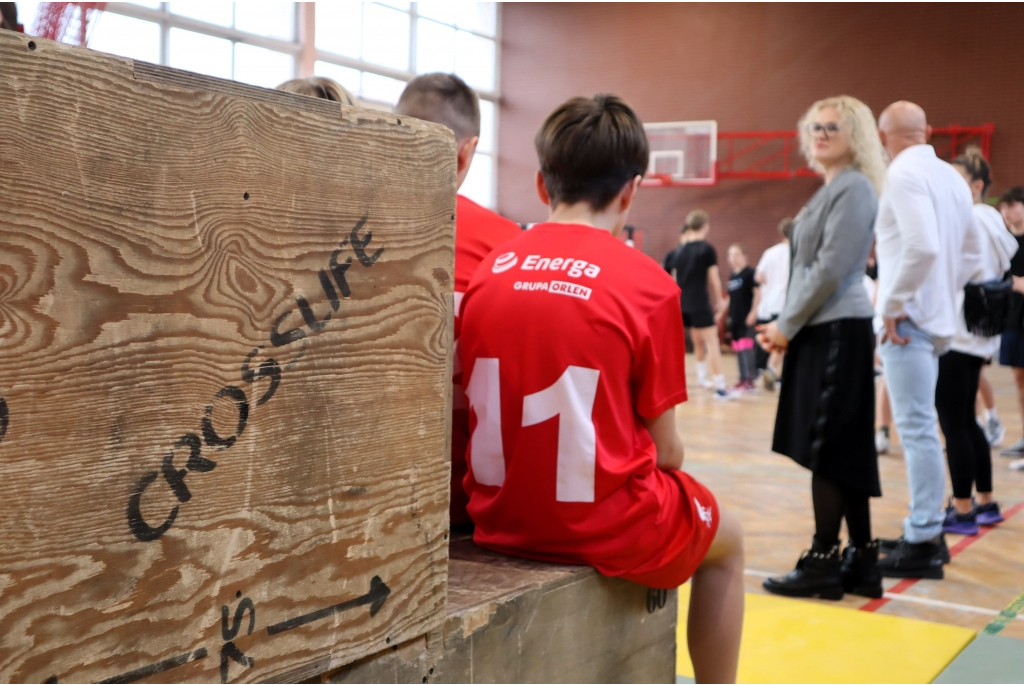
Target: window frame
[[302, 48]]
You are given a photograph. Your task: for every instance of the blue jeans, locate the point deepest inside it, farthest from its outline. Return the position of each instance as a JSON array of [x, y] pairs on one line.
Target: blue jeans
[[911, 372]]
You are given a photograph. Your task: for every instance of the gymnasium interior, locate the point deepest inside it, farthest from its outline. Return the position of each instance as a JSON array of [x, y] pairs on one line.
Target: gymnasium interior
[[196, 268]]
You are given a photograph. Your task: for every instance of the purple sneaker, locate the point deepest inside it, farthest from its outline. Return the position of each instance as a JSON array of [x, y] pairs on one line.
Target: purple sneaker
[[960, 524], [988, 514]]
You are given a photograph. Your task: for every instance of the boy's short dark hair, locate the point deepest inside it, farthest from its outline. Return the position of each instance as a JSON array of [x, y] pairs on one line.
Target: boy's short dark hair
[[589, 148], [444, 99], [1014, 194]]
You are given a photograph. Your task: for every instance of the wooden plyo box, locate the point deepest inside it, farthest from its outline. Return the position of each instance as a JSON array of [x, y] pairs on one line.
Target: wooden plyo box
[[225, 363]]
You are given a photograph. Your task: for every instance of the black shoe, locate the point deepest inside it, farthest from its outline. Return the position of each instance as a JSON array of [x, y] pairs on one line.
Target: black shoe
[[816, 575], [887, 545], [859, 570], [913, 560]]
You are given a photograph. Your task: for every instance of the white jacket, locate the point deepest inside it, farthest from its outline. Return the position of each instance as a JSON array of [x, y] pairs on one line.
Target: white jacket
[[928, 245], [997, 249]]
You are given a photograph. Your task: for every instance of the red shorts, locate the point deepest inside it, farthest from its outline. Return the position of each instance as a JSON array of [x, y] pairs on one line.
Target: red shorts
[[699, 528]]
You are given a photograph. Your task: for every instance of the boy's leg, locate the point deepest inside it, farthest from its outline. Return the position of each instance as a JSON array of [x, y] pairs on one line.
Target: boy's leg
[[751, 363], [710, 337], [715, 623]]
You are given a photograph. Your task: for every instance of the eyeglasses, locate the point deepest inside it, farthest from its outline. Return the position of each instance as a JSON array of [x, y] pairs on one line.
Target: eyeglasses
[[829, 129]]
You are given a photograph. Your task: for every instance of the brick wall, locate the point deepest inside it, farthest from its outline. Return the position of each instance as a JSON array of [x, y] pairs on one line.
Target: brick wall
[[753, 67]]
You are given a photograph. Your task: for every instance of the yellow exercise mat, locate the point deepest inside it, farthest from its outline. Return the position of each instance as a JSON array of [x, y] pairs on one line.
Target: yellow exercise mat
[[797, 641]]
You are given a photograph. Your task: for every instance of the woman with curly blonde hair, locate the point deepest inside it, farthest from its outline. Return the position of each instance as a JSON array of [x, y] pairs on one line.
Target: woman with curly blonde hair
[[826, 413]]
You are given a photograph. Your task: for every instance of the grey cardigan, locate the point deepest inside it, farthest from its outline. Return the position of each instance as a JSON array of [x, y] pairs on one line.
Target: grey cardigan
[[829, 250]]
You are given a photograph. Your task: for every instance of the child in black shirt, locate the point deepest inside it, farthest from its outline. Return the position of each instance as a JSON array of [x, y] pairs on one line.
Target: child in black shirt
[[743, 301]]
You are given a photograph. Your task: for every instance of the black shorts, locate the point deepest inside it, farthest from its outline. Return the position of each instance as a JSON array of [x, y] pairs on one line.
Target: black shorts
[[703, 318], [1011, 349]]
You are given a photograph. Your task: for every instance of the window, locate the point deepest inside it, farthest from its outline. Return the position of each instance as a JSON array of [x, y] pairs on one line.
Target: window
[[371, 48]]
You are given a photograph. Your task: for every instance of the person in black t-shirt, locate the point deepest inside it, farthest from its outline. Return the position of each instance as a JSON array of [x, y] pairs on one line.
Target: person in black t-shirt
[[1011, 347], [695, 267], [743, 300]]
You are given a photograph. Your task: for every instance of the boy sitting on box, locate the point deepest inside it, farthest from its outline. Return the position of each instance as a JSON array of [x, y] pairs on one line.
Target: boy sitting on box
[[446, 99], [572, 357]]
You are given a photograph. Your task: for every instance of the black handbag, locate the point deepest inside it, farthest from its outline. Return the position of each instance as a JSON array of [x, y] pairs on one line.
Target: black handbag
[[987, 306]]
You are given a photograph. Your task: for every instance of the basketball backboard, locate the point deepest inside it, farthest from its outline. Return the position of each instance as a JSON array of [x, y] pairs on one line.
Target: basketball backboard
[[683, 153]]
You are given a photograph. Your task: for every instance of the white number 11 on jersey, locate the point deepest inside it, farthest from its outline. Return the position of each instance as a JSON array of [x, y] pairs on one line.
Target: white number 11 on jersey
[[571, 399]]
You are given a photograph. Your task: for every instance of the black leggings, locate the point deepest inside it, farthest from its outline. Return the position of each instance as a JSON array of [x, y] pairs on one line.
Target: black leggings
[[832, 502], [967, 450]]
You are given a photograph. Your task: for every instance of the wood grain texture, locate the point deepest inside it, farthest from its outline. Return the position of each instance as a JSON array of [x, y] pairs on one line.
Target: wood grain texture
[[159, 233], [519, 621]]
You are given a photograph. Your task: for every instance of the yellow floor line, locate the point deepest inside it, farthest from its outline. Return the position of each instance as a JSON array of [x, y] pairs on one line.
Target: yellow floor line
[[793, 641]]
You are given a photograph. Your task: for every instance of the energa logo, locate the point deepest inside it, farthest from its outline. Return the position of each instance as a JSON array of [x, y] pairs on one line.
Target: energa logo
[[504, 262]]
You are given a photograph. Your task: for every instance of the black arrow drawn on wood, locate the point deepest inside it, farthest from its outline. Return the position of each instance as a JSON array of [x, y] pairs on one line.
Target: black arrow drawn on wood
[[159, 667], [376, 597]]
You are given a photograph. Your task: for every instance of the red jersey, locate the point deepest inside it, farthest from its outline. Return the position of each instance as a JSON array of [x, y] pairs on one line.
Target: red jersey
[[477, 231], [569, 337]]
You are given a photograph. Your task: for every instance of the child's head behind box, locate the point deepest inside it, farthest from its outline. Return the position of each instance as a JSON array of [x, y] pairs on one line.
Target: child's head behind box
[[446, 99], [589, 149]]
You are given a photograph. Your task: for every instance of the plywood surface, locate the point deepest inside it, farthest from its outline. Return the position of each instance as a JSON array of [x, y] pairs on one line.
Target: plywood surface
[[225, 335]]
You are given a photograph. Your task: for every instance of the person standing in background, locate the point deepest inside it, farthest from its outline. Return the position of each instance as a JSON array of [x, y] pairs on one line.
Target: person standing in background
[[825, 420], [927, 249], [967, 449], [1011, 346], [772, 276], [743, 301], [695, 266]]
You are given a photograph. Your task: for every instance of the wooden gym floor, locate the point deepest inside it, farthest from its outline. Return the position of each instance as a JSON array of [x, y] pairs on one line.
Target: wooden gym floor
[[919, 627]]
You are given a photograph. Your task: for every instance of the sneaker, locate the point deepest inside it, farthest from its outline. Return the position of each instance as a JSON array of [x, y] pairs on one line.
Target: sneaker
[[768, 379], [723, 395], [995, 431], [705, 383], [1017, 465], [960, 524], [1014, 450], [913, 560], [882, 440], [746, 386], [886, 546], [988, 514]]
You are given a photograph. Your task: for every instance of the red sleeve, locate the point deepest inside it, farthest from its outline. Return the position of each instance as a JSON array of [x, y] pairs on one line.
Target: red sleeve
[[659, 366]]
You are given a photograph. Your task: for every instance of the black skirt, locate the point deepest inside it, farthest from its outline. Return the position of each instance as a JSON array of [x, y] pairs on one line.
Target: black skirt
[[826, 416]]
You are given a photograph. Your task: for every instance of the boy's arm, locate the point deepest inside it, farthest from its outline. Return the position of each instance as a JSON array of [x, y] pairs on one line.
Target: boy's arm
[[666, 438], [718, 302], [752, 316]]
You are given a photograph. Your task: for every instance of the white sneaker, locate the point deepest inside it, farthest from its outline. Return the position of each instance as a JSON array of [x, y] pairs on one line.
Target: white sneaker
[[705, 383], [995, 431], [724, 395], [1014, 450], [1017, 465], [881, 442]]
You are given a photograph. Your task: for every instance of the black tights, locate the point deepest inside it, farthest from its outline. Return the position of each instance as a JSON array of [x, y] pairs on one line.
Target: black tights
[[967, 450], [832, 502]]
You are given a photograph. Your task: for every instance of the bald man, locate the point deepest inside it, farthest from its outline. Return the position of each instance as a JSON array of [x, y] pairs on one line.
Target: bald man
[[927, 249]]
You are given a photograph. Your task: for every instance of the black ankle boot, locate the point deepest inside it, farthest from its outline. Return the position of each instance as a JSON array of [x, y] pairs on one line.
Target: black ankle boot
[[860, 572], [817, 574]]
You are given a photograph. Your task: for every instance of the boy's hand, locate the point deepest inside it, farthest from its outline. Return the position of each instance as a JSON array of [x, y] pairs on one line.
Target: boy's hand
[[751, 318]]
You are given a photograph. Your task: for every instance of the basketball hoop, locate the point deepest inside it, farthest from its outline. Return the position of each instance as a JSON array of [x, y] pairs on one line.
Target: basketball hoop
[[67, 22], [683, 153]]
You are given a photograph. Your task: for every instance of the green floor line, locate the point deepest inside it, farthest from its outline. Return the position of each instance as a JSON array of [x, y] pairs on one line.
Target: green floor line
[[1006, 615]]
